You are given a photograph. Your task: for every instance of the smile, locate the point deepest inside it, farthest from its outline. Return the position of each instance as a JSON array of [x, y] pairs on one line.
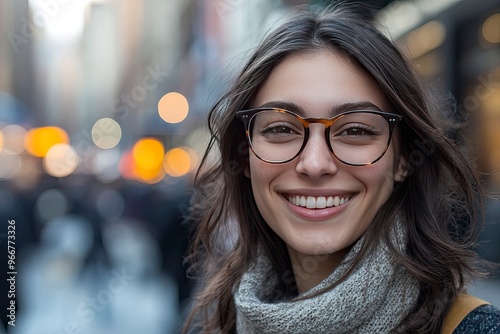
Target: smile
[[320, 202]]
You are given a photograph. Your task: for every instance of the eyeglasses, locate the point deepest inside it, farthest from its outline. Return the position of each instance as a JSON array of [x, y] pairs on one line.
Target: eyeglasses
[[356, 138]]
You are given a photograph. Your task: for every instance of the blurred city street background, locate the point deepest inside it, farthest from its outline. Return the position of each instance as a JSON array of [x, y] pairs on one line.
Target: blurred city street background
[[103, 107]]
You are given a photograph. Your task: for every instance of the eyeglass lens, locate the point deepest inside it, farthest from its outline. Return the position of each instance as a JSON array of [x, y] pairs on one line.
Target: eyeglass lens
[[355, 138]]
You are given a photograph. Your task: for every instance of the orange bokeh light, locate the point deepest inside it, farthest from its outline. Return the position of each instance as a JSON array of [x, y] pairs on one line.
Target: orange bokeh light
[[39, 140], [491, 29], [150, 176], [177, 162], [148, 153]]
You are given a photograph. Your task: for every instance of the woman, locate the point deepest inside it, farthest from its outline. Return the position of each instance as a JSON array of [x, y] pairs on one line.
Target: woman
[[348, 207]]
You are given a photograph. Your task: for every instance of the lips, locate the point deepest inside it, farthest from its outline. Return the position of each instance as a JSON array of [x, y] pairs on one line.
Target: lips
[[319, 202]]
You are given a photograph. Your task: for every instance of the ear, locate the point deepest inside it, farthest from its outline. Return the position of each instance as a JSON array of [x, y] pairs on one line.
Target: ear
[[402, 170]]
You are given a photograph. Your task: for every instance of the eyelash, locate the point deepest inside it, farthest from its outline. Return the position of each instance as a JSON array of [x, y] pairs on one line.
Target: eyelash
[[290, 129], [271, 128], [365, 129]]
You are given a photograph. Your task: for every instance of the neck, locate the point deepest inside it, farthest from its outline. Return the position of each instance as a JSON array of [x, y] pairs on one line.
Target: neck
[[310, 270]]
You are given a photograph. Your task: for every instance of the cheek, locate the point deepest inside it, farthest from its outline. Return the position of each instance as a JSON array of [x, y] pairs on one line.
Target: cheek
[[378, 178], [260, 182], [383, 178], [258, 174], [262, 173], [385, 170]]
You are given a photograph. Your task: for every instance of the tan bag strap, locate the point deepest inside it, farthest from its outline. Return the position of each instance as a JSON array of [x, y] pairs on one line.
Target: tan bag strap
[[461, 307]]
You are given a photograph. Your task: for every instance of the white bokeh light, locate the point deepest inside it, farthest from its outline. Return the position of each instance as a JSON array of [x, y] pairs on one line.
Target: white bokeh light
[[61, 160]]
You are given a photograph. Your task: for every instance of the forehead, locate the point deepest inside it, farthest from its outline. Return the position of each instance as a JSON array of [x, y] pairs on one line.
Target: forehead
[[318, 81]]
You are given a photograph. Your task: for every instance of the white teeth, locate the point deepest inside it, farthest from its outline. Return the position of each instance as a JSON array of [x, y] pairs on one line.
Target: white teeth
[[320, 202], [311, 202]]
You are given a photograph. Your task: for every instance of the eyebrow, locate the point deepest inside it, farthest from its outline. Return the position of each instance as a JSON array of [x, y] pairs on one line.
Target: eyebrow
[[335, 110]]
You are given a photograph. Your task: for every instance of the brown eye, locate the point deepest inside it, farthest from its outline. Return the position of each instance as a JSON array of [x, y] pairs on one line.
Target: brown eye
[[357, 131]]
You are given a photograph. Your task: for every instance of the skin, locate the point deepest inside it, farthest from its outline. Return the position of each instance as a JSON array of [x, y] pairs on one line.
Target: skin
[[318, 82]]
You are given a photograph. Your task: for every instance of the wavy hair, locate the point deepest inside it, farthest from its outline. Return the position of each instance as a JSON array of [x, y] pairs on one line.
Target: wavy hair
[[439, 201]]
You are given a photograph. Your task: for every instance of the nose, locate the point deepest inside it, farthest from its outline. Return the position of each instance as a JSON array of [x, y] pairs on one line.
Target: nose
[[316, 159]]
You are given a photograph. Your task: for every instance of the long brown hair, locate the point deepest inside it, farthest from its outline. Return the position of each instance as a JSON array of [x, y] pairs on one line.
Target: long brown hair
[[439, 201]]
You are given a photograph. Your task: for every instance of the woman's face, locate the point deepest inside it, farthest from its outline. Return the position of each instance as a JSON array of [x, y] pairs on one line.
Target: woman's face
[[318, 83]]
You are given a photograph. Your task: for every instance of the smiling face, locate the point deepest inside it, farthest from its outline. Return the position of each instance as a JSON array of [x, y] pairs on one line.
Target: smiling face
[[315, 203]]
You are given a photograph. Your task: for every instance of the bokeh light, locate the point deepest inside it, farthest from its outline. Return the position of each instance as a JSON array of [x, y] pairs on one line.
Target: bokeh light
[[426, 38], [173, 107], [194, 156], [150, 176], [106, 133], [491, 29], [144, 162], [13, 137], [148, 153], [199, 139], [10, 165], [105, 165], [177, 162], [61, 160], [40, 140]]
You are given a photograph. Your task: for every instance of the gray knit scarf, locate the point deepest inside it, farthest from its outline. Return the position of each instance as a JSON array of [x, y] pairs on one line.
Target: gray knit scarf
[[373, 299]]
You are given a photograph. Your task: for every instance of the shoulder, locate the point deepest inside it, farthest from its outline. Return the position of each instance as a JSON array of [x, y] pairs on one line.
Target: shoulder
[[483, 320]]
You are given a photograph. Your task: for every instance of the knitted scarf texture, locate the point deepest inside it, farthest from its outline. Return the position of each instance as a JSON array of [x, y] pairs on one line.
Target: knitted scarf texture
[[376, 296]]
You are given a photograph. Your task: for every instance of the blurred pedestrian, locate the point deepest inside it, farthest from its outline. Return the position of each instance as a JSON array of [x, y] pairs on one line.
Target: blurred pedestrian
[[355, 212]]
